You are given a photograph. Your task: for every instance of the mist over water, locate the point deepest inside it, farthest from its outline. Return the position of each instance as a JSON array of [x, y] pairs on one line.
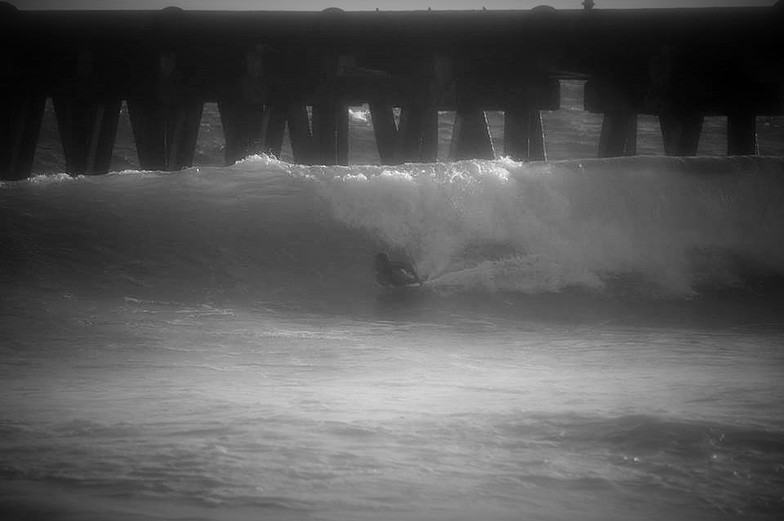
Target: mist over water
[[597, 339]]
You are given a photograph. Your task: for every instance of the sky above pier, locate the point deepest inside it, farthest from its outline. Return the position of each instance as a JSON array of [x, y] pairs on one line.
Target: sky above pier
[[355, 5]]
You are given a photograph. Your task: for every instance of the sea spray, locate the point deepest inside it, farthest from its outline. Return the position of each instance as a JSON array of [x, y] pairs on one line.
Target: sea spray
[[673, 223]]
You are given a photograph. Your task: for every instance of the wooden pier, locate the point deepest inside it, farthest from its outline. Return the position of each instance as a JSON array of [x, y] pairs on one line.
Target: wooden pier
[[301, 70]]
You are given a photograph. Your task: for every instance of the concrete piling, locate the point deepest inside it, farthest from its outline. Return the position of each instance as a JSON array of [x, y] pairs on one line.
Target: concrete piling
[[165, 117], [428, 151], [681, 133], [300, 134], [742, 134], [274, 125], [242, 111], [384, 130], [88, 128], [411, 131], [20, 124], [523, 101], [87, 115], [415, 137], [243, 127], [618, 101], [415, 120], [330, 112], [330, 130], [166, 133], [618, 135], [471, 136], [524, 135]]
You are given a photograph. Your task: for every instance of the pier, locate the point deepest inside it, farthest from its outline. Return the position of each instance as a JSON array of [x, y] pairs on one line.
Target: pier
[[271, 71]]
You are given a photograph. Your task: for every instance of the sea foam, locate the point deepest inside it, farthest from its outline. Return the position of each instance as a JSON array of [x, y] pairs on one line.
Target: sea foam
[[674, 224]]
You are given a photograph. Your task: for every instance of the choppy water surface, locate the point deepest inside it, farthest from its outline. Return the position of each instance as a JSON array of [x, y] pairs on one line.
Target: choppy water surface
[[155, 410], [598, 339]]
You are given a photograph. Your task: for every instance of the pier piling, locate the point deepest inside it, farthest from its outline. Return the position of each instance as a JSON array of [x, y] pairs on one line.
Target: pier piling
[[165, 115], [166, 133], [384, 130], [522, 101], [742, 134], [330, 112], [243, 127], [274, 125], [411, 132], [20, 124], [88, 127], [524, 135], [330, 129], [241, 107], [681, 133], [300, 134], [471, 137], [429, 151], [618, 135], [415, 130], [619, 102], [87, 112]]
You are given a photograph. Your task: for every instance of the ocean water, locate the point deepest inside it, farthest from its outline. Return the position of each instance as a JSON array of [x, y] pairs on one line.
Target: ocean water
[[597, 339]]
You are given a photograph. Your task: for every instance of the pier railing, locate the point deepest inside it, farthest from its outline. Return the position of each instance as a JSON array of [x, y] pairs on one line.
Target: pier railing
[[301, 70]]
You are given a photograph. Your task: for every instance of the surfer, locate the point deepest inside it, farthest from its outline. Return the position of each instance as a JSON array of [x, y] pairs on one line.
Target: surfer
[[390, 273]]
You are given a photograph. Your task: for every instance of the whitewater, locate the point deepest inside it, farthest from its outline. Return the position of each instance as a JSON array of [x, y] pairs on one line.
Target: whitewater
[[597, 339]]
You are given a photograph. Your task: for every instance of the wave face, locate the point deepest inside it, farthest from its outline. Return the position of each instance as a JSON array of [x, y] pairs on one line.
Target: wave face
[[661, 226]]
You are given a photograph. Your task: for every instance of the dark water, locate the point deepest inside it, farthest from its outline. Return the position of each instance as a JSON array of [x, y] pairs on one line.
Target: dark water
[[598, 339]]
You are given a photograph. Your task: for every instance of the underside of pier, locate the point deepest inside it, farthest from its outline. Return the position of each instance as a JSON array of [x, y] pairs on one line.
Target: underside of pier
[[269, 71]]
